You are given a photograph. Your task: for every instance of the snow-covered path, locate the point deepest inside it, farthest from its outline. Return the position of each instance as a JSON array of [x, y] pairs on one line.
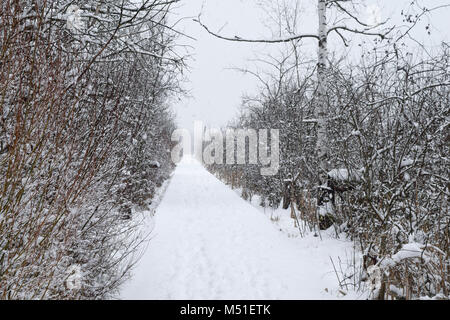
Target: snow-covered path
[[208, 243]]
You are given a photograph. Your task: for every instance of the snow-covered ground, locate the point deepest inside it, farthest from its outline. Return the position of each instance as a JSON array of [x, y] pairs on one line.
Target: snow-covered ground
[[208, 243]]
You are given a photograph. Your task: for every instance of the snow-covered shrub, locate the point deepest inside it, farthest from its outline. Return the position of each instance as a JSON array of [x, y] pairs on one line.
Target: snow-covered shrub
[[388, 133], [67, 126], [393, 133]]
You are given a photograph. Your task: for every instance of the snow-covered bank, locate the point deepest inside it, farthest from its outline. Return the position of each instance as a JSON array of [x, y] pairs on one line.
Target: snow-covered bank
[[339, 250], [208, 243]]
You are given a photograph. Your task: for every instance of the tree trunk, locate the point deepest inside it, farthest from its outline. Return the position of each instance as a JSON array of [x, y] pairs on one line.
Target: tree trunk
[[321, 112]]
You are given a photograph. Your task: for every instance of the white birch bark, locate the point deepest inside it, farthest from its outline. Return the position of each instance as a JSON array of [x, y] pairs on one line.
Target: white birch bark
[[321, 112]]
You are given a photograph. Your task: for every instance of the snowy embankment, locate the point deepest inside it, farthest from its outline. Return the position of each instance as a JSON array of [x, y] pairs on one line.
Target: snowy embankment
[[208, 243]]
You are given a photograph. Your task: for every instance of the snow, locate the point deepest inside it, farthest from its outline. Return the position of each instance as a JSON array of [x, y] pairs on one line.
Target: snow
[[406, 162], [208, 243], [74, 22], [408, 251], [325, 209], [396, 290], [343, 175], [412, 250], [338, 174], [155, 164], [74, 277]]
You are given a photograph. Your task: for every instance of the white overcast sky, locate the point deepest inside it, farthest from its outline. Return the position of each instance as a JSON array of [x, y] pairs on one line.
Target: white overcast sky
[[216, 89]]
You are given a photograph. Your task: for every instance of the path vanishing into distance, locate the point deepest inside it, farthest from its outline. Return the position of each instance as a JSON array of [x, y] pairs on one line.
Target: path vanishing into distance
[[208, 243]]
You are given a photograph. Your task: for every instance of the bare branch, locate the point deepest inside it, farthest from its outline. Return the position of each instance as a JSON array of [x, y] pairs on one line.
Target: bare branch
[[239, 39]]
